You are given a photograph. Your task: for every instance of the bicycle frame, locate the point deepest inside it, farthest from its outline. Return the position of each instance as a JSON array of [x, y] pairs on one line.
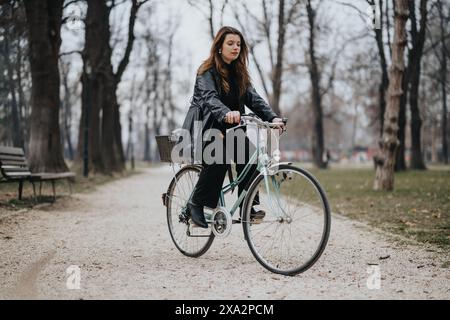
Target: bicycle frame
[[264, 166]]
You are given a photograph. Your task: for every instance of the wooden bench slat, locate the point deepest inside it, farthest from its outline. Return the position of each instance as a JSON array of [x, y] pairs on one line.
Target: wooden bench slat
[[7, 169], [13, 163], [15, 175], [11, 151], [12, 157], [52, 176]]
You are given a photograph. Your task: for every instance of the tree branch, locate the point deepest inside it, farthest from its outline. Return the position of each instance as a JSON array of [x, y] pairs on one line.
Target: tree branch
[[131, 37], [361, 14], [251, 46]]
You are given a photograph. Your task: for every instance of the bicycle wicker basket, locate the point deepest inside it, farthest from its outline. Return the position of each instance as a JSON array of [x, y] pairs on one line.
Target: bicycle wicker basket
[[165, 146]]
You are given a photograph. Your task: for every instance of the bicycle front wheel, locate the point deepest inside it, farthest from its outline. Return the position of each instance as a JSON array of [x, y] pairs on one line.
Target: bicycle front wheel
[[295, 230]]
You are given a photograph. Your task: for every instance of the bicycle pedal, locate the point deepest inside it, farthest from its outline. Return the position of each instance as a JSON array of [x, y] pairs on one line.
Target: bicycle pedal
[[195, 226]]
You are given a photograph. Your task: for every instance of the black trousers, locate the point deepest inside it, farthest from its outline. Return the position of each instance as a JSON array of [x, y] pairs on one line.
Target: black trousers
[[210, 182]]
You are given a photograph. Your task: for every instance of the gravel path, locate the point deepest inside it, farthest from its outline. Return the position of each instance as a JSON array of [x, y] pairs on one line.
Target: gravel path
[[118, 238]]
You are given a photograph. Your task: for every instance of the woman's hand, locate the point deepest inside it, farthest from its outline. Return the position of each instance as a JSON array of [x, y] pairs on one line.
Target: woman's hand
[[233, 117], [280, 121]]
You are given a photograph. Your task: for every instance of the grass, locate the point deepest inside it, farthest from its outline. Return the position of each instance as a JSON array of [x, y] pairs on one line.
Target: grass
[[418, 208]]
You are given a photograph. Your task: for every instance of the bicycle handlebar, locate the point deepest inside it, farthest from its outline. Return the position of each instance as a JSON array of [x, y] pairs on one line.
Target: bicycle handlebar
[[246, 118]]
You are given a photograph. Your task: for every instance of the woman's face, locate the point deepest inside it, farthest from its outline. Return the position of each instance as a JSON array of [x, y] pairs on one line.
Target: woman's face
[[231, 48]]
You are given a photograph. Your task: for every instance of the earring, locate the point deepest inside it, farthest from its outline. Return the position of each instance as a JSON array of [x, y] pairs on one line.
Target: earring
[[220, 51]]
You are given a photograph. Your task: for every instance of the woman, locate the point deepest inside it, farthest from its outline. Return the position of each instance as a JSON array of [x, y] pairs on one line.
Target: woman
[[222, 89]]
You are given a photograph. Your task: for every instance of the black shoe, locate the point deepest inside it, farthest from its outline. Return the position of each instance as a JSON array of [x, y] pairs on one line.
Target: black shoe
[[254, 215], [197, 215], [260, 214]]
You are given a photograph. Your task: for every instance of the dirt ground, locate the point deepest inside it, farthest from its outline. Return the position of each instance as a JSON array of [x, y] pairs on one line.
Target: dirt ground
[[116, 239]]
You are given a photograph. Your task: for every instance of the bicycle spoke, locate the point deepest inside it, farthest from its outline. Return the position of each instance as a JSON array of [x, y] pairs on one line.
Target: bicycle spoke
[[178, 197], [292, 242]]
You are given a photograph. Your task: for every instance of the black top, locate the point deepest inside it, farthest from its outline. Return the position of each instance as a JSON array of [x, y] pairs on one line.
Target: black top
[[231, 99]]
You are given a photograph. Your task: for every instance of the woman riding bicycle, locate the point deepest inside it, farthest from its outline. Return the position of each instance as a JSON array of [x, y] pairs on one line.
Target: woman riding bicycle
[[222, 89]]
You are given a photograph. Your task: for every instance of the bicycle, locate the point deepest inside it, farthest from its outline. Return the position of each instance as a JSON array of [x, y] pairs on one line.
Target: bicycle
[[292, 235]]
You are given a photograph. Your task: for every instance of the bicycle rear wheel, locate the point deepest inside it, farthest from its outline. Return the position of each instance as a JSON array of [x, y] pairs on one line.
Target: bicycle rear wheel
[[189, 240], [294, 233]]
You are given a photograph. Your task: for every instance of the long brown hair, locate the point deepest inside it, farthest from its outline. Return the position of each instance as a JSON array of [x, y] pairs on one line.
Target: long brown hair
[[240, 64]]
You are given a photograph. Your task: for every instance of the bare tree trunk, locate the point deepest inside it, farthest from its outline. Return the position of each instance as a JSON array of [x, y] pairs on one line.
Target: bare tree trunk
[[210, 19], [20, 93], [44, 27], [150, 85], [117, 151], [67, 112], [400, 162], [434, 139], [385, 160], [148, 91], [13, 25], [118, 139], [95, 79], [130, 145], [106, 152], [278, 72], [316, 98], [443, 77], [383, 87], [418, 40], [168, 86], [16, 128], [388, 24], [156, 103], [147, 142]]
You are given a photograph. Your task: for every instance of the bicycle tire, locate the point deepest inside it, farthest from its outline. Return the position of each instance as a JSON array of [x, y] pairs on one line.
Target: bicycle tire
[[247, 223], [170, 196]]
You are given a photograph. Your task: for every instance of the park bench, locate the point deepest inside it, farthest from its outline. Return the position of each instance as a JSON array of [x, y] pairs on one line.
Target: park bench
[[14, 169]]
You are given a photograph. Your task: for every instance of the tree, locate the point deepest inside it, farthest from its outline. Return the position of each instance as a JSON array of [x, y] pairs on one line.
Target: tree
[[443, 24], [13, 62], [385, 160], [383, 60], [210, 12], [415, 56], [316, 97], [44, 36], [286, 15], [100, 82]]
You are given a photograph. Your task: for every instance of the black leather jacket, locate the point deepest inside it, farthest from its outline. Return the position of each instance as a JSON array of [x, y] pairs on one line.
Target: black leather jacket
[[207, 106]]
